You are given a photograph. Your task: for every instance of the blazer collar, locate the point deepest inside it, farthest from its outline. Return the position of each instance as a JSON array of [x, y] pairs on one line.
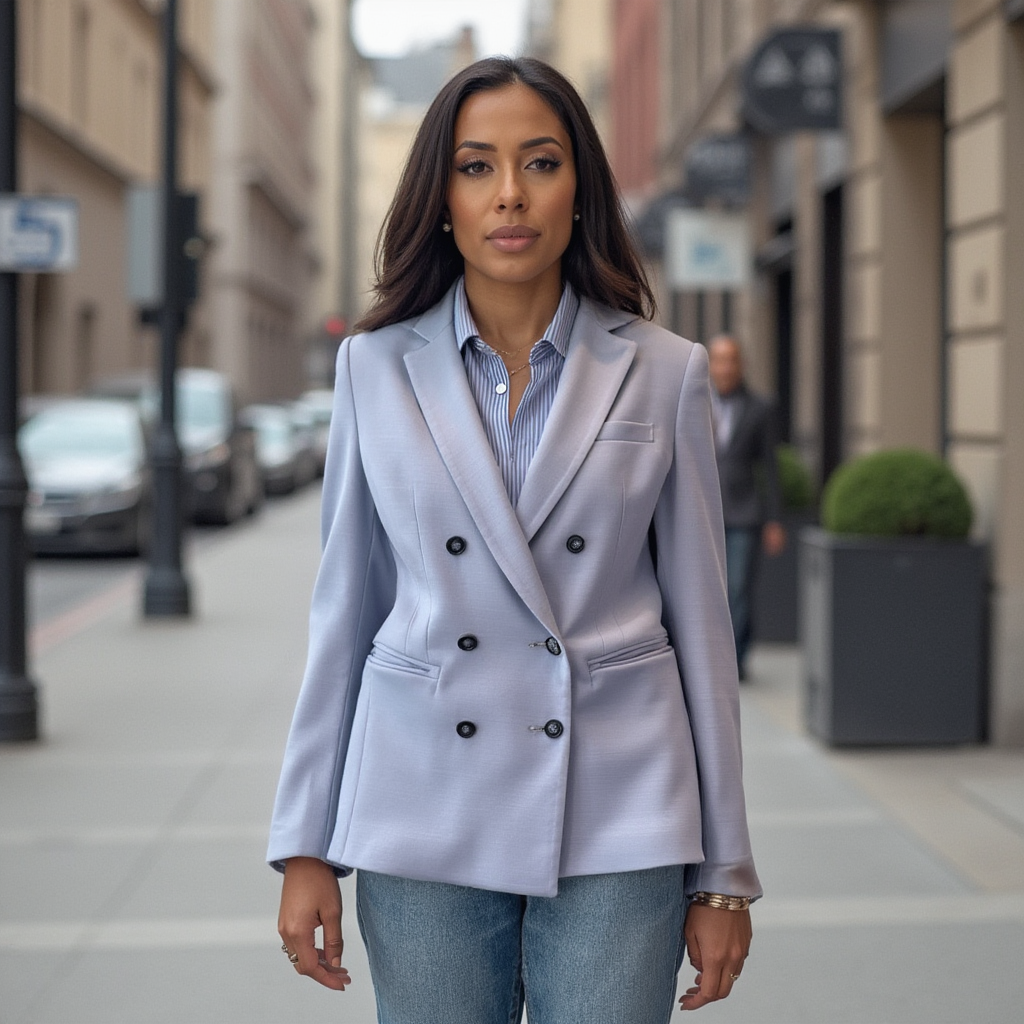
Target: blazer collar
[[595, 367], [438, 377]]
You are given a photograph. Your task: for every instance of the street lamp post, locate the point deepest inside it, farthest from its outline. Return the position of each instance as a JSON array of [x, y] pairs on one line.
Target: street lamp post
[[166, 588], [19, 705]]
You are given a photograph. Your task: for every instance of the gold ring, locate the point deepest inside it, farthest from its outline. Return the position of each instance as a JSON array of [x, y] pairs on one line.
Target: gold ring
[[734, 977], [292, 957]]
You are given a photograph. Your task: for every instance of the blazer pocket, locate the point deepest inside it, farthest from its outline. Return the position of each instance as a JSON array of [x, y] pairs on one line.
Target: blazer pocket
[[626, 430], [631, 653], [381, 654]]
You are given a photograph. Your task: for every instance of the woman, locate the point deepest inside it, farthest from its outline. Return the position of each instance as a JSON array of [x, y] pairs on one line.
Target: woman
[[518, 722]]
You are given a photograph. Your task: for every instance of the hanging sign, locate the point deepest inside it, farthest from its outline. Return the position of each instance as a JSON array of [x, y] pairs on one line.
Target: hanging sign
[[706, 249], [793, 82], [718, 167], [38, 233]]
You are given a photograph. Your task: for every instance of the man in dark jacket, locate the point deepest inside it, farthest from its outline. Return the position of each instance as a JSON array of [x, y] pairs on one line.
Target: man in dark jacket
[[745, 440]]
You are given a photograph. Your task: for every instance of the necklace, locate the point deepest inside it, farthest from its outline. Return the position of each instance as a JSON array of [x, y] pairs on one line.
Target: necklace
[[501, 387]]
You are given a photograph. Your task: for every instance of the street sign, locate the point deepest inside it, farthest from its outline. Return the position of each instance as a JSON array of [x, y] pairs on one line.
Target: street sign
[[706, 249], [38, 233], [793, 82], [718, 167]]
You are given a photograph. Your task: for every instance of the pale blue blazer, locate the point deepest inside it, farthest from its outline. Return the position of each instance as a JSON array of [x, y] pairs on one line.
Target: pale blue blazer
[[593, 726]]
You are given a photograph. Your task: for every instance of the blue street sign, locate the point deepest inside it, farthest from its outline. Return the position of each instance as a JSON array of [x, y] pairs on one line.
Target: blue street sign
[[38, 233]]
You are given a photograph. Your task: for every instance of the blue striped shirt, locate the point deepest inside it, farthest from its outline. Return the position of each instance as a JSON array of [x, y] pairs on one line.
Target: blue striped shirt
[[514, 443]]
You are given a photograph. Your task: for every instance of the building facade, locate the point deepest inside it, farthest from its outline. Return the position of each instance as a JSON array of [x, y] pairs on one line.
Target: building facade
[[265, 257], [90, 75], [884, 308]]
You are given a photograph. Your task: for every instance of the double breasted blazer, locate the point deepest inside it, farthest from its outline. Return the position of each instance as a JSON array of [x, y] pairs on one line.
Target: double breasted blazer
[[496, 696]]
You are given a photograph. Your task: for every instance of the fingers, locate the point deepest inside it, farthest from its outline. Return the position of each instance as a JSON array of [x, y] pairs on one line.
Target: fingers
[[718, 942], [310, 899]]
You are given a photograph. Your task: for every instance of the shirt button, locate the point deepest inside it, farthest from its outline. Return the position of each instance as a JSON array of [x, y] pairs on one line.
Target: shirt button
[[467, 729], [554, 728], [553, 645], [468, 642], [575, 543], [456, 545], [501, 388]]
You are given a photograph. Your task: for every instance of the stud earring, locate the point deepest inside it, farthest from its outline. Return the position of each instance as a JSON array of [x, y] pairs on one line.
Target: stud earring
[[575, 216], [446, 227]]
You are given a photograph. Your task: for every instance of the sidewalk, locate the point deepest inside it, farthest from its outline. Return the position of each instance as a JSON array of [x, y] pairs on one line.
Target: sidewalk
[[132, 883]]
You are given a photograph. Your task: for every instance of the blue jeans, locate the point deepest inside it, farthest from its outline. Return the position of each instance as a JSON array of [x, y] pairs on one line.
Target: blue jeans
[[605, 950], [740, 565]]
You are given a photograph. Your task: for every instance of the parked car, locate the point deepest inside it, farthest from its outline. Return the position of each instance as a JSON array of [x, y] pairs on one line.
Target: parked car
[[319, 402], [90, 487], [277, 446], [304, 426], [223, 480]]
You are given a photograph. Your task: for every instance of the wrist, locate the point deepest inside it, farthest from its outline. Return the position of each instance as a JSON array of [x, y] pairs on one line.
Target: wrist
[[720, 901]]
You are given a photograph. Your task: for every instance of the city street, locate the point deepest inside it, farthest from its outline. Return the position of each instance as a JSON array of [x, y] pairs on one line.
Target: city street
[[132, 836]]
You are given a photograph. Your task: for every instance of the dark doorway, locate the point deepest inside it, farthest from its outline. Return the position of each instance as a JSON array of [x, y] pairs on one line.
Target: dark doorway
[[832, 331]]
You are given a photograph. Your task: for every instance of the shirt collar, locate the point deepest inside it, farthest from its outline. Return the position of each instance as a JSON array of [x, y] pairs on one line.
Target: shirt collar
[[556, 334]]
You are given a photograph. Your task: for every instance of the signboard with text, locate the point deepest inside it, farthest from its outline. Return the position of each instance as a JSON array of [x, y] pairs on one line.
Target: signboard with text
[[38, 233], [793, 82]]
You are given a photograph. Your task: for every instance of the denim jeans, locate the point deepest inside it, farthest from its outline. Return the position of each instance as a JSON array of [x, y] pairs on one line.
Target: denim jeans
[[740, 565], [605, 950]]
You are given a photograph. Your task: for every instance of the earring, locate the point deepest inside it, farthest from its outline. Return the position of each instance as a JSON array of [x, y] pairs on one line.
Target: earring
[[575, 216], [446, 227]]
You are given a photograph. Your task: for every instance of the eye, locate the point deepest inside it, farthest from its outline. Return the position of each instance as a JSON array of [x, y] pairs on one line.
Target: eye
[[472, 168], [545, 163]]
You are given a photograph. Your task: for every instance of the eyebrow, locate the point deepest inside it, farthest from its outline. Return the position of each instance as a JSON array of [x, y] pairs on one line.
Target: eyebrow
[[528, 144]]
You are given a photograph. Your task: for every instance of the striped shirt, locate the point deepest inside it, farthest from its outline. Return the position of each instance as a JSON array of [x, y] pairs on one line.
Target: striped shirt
[[514, 443]]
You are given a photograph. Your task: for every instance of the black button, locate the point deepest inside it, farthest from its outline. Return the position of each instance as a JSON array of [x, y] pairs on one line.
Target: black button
[[575, 543], [468, 642], [456, 545], [467, 729], [554, 728], [553, 645]]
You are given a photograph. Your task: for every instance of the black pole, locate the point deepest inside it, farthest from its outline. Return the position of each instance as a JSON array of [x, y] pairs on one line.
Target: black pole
[[19, 702], [166, 589]]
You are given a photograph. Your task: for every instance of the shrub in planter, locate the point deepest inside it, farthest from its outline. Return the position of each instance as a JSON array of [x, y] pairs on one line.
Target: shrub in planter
[[795, 480], [892, 606], [898, 493]]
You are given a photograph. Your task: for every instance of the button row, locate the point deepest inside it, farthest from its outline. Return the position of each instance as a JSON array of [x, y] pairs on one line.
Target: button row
[[552, 728], [457, 545]]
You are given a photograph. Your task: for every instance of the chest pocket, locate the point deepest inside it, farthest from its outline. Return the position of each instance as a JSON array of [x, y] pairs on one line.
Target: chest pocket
[[626, 430]]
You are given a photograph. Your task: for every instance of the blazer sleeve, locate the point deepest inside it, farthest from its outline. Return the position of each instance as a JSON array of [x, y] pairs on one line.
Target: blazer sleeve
[[691, 575], [353, 594]]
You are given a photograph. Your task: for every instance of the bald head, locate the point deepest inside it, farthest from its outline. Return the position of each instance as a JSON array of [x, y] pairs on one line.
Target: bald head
[[725, 363]]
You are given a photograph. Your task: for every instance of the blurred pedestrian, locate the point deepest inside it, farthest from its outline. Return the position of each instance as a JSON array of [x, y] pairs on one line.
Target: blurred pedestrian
[[521, 733], [745, 443]]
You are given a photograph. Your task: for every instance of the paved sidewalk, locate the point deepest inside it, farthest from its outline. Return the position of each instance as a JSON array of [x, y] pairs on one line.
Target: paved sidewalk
[[132, 883]]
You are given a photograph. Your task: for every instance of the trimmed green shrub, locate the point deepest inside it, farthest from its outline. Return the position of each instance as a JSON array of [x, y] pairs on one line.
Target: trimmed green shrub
[[895, 493], [795, 480]]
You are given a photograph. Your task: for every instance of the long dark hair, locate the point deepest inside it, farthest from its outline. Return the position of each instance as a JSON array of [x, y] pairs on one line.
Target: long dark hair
[[416, 262]]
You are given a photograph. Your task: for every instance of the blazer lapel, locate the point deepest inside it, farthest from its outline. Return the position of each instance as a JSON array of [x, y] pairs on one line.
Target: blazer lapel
[[438, 378], [595, 367]]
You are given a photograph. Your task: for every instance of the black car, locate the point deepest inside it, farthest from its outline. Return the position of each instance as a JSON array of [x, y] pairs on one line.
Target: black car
[[223, 480], [90, 488]]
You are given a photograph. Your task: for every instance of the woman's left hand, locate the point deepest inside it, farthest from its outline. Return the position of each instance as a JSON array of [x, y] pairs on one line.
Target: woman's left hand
[[717, 942]]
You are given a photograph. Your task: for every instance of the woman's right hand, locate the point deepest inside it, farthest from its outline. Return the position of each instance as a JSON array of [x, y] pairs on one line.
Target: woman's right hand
[[311, 898]]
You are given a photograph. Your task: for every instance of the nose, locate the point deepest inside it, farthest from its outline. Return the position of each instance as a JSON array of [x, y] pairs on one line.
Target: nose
[[511, 195]]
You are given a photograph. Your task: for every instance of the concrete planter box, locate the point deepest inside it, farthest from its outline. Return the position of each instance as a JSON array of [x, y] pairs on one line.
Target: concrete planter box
[[894, 637], [776, 588]]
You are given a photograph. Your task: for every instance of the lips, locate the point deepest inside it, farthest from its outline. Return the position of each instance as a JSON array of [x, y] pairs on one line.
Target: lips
[[514, 231], [513, 237]]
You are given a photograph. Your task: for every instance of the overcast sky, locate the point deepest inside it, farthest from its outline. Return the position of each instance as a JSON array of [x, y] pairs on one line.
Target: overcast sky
[[390, 27]]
